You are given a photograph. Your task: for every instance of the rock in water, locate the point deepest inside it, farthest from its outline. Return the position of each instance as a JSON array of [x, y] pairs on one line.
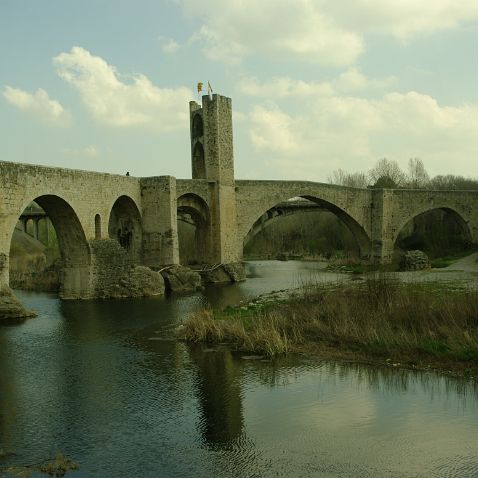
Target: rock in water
[[233, 272], [414, 261], [139, 282], [11, 307], [181, 279]]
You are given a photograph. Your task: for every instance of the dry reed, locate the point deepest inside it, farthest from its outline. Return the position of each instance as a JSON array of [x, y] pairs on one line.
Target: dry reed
[[378, 317]]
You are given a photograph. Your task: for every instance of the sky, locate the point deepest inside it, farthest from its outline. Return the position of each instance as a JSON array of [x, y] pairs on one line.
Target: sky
[[316, 85]]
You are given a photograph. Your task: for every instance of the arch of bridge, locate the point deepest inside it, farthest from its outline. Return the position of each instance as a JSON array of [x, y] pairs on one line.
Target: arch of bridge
[[352, 206], [195, 206], [200, 213], [73, 245], [408, 204], [277, 212]]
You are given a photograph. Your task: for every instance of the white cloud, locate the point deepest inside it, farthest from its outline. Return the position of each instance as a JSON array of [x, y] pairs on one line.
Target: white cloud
[[168, 45], [88, 152], [287, 28], [351, 133], [38, 105], [116, 103], [283, 87], [351, 80], [276, 130], [327, 32], [402, 19]]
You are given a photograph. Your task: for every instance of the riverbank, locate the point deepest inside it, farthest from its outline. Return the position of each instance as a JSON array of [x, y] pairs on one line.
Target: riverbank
[[378, 320]]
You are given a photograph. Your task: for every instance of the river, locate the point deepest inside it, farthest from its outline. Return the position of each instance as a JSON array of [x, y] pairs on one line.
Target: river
[[105, 383]]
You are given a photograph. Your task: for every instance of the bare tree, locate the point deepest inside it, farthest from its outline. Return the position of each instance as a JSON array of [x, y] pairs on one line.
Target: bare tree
[[418, 177], [351, 180], [451, 181], [386, 173]]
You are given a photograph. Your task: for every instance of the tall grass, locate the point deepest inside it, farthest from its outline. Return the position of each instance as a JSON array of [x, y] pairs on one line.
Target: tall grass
[[379, 317]]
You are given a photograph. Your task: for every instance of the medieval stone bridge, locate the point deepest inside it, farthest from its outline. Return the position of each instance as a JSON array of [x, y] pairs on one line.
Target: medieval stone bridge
[[107, 222]]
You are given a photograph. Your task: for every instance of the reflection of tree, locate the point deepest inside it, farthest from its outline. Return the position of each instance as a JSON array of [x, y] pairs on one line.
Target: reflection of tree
[[220, 397], [391, 380]]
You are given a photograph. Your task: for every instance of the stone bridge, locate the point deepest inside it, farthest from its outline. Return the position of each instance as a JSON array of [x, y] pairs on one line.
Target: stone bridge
[[105, 223]]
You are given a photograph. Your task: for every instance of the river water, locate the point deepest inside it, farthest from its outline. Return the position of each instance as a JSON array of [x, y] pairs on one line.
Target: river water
[[105, 383]]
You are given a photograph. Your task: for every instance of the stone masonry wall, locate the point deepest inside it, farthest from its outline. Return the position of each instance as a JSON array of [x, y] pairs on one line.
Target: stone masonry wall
[[110, 262]]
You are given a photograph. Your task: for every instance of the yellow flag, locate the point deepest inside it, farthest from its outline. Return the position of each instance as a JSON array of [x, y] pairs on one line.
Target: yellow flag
[[199, 87]]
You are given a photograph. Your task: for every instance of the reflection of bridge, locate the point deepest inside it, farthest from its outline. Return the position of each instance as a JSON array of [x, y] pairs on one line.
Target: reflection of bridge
[[91, 210]]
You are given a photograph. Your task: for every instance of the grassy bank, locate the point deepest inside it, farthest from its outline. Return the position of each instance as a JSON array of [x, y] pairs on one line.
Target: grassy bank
[[445, 261], [378, 319]]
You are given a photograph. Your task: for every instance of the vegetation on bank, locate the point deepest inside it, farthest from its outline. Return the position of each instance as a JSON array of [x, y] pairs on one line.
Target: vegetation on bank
[[378, 319], [57, 466], [448, 260]]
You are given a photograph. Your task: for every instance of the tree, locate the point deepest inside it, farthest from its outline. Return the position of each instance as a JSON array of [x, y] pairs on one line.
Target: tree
[[452, 182], [384, 182], [417, 175], [386, 168], [351, 180]]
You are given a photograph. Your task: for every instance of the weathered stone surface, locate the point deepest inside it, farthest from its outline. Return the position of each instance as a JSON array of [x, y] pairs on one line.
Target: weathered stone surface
[[11, 308], [140, 281], [414, 261], [233, 272], [181, 279]]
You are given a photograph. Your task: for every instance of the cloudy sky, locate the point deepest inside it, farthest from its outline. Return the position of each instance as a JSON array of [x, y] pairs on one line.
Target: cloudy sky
[[316, 85]]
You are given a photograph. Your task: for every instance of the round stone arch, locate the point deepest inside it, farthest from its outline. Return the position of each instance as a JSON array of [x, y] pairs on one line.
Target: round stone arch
[[193, 208], [125, 226], [450, 211], [72, 243], [363, 240]]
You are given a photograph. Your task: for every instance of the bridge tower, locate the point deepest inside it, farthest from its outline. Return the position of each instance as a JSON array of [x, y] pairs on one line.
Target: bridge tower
[[212, 159]]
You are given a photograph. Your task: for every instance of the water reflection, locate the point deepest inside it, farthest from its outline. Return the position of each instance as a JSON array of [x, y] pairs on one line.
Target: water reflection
[[107, 383], [218, 388]]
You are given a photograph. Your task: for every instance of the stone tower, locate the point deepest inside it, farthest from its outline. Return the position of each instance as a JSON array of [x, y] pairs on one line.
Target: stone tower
[[212, 155], [212, 159]]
